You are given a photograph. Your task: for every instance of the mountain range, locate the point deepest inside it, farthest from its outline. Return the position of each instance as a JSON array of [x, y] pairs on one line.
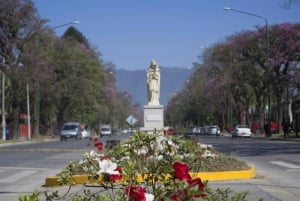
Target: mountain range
[[134, 83]]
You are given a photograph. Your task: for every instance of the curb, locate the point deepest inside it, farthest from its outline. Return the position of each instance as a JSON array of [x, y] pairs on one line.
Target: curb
[[51, 181]]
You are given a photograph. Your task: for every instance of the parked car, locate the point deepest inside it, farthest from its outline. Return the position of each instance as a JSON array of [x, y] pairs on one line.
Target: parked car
[[71, 130], [241, 131], [212, 130]]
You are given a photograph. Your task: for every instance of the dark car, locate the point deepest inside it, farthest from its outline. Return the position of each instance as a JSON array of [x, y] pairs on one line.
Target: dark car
[[212, 130]]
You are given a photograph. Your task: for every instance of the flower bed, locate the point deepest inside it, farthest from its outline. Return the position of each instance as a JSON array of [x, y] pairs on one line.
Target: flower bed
[[144, 168]]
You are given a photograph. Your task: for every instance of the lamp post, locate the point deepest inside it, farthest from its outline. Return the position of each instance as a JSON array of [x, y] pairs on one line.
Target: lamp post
[[62, 25], [267, 41], [3, 104]]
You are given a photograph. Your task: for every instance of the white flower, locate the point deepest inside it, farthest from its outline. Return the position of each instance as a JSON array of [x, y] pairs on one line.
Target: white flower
[[149, 197], [125, 158], [107, 166], [160, 157], [92, 154], [205, 146], [208, 153], [140, 151]]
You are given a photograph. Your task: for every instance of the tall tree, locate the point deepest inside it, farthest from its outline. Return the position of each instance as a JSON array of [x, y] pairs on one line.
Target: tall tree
[[19, 24]]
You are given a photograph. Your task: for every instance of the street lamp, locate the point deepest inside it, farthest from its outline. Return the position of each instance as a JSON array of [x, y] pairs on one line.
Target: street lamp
[[3, 103], [62, 25], [267, 41]]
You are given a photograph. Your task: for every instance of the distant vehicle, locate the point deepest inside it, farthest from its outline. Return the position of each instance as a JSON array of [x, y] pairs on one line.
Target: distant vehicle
[[71, 130], [212, 130], [105, 130], [86, 133], [168, 131], [241, 131], [125, 131], [193, 130]]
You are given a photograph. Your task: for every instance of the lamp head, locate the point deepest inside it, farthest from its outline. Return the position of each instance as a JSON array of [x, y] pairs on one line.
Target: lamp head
[[227, 8]]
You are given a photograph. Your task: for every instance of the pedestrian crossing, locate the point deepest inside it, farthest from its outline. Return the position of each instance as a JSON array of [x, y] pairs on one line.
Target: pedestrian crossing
[[285, 164], [17, 176], [10, 175]]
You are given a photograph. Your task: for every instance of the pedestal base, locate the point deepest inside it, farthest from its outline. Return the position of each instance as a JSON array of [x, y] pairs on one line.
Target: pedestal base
[[153, 118]]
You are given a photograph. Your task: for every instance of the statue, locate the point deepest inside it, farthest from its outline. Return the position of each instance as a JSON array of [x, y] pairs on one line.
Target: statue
[[153, 82]]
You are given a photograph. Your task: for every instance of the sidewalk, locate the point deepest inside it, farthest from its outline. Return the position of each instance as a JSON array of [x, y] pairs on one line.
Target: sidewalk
[[292, 136], [44, 138]]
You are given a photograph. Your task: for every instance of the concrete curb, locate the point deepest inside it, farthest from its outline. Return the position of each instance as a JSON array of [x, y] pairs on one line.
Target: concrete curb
[[51, 181]]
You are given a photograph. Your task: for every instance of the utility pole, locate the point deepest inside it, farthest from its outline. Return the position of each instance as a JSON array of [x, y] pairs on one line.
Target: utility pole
[[3, 103]]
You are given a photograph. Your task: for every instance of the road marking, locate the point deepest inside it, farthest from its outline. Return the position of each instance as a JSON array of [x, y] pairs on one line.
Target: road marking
[[17, 176], [44, 150], [284, 164]]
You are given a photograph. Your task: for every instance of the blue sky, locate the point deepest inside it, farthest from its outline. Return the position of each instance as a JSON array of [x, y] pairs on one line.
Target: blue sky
[[129, 33]]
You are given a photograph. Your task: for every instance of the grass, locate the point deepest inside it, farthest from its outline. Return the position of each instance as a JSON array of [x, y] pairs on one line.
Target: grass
[[222, 163]]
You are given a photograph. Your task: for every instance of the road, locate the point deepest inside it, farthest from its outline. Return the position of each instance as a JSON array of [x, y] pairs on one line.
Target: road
[[277, 165], [24, 167]]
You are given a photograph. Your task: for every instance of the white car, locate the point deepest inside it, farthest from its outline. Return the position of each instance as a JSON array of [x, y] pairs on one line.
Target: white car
[[85, 133], [105, 130], [241, 131]]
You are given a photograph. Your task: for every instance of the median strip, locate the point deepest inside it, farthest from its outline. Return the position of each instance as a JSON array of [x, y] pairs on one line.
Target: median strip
[[52, 181]]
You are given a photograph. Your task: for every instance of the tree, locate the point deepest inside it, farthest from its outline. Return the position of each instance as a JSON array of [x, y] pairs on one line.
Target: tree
[[78, 82], [243, 71], [19, 24]]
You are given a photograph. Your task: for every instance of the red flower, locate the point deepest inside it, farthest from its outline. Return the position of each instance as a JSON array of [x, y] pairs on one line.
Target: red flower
[[100, 148], [175, 197], [136, 192], [201, 186], [115, 177], [98, 143], [182, 171], [198, 182], [95, 140]]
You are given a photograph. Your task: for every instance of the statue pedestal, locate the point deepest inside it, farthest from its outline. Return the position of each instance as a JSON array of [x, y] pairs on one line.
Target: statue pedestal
[[153, 118]]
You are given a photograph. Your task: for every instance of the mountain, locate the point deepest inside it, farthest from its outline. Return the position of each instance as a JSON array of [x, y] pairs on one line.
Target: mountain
[[134, 82]]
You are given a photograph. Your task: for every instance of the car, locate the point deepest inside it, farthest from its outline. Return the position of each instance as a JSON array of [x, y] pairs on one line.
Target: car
[[212, 130], [71, 130], [105, 130], [86, 133], [168, 131], [193, 130], [241, 131]]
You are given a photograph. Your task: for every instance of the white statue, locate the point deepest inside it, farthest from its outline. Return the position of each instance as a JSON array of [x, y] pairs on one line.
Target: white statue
[[153, 81]]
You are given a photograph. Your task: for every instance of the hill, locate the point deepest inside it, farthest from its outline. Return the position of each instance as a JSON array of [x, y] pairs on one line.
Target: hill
[[134, 82]]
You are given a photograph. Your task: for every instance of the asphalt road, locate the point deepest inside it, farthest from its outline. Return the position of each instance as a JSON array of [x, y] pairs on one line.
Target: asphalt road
[[277, 165], [24, 167]]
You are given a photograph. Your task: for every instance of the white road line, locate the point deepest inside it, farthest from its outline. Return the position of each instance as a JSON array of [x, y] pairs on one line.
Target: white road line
[[284, 164], [17, 176]]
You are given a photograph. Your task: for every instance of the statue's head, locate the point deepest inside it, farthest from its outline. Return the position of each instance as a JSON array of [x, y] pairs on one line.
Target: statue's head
[[153, 64]]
